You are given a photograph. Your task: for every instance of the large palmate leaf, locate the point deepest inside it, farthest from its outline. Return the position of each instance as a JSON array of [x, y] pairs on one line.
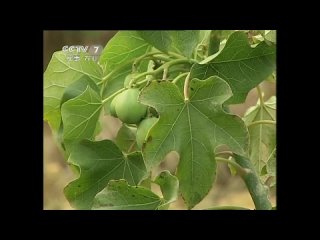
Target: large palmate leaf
[[59, 74], [80, 116], [121, 49], [194, 129], [100, 162], [74, 90], [262, 150], [118, 195], [159, 39], [78, 87], [242, 66], [183, 41]]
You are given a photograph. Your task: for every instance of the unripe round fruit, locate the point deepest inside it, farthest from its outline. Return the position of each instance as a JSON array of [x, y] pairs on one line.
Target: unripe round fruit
[[143, 130], [127, 107], [112, 107], [128, 79]]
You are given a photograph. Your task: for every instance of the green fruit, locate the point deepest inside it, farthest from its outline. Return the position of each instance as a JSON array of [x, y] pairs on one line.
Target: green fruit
[[128, 79], [143, 130], [127, 107], [112, 107]]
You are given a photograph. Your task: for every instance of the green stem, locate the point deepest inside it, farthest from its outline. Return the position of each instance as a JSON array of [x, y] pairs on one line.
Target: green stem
[[240, 170], [258, 192], [186, 88], [112, 95], [130, 62], [176, 55], [262, 122], [225, 153], [142, 81], [179, 69], [162, 58], [150, 55], [165, 73], [260, 95], [133, 61], [146, 55], [179, 77], [159, 70], [131, 146], [227, 208]]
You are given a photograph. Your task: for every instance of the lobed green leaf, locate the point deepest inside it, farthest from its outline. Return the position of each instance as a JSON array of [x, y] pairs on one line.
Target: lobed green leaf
[[242, 66], [99, 162], [194, 129]]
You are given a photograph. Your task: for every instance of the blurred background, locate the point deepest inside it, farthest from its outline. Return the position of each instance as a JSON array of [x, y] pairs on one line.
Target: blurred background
[[227, 190]]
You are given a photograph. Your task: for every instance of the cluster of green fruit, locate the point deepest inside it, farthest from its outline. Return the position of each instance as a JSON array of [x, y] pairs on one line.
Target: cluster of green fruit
[[126, 107]]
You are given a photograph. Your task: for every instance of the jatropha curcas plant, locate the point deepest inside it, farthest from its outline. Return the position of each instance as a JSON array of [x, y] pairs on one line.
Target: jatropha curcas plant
[[172, 91]]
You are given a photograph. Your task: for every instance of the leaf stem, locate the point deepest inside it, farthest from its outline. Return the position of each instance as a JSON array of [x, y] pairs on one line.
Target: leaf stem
[[149, 55], [112, 95], [262, 122], [180, 69], [142, 81], [260, 94], [225, 153], [258, 192], [186, 88], [159, 70], [132, 61], [179, 77], [176, 55], [131, 146], [165, 73], [241, 171], [227, 208]]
